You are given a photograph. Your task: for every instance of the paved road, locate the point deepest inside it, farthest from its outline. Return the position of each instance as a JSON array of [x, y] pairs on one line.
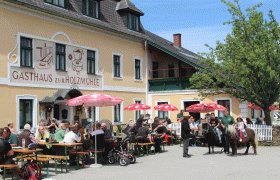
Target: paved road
[[171, 165]]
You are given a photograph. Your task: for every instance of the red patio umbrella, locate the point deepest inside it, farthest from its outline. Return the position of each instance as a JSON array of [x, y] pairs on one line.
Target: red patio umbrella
[[165, 107], [95, 100], [136, 107], [254, 106], [205, 107]]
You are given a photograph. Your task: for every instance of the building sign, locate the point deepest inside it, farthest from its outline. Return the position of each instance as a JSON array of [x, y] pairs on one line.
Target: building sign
[[44, 70]]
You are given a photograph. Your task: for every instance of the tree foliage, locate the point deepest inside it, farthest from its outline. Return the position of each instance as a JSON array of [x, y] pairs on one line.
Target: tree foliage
[[247, 64]]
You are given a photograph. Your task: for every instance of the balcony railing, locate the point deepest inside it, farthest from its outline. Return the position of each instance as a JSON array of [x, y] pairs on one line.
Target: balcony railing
[[172, 73], [169, 84]]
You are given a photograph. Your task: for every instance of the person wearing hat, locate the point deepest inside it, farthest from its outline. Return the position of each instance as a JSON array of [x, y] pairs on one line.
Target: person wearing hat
[[240, 126], [28, 136], [226, 120], [185, 134]]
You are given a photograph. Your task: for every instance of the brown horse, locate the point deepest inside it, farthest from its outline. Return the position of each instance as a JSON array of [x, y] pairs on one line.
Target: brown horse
[[252, 137]]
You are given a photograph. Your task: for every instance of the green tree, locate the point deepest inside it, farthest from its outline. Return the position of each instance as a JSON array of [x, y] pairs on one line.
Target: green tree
[[247, 64]]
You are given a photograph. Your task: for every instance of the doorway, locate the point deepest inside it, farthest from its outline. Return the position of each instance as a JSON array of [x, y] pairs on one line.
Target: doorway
[[189, 103], [56, 111]]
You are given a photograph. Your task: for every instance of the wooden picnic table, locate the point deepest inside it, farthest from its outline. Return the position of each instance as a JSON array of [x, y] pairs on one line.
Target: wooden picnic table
[[67, 145], [27, 151]]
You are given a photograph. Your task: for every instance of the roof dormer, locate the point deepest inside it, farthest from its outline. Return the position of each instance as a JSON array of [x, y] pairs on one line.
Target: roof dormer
[[130, 14]]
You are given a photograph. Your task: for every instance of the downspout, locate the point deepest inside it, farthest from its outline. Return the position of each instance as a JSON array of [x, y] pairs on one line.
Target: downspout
[[147, 84]]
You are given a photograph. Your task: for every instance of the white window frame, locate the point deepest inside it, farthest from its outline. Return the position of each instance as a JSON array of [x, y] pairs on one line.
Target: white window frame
[[141, 68], [121, 115], [34, 111], [223, 98], [255, 114], [141, 111], [121, 65], [162, 100], [96, 113]]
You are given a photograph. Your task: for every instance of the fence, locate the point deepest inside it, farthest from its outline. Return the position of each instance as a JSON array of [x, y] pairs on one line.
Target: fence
[[264, 131]]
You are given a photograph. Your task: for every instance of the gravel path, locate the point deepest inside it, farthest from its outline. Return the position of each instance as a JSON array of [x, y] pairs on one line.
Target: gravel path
[[171, 165]]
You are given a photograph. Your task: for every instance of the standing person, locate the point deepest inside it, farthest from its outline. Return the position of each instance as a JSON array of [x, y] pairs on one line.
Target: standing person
[[139, 122], [226, 120], [107, 132], [11, 126], [215, 124], [180, 114], [185, 134]]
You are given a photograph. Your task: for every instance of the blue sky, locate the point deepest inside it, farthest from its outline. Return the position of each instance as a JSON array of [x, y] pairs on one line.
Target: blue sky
[[199, 21]]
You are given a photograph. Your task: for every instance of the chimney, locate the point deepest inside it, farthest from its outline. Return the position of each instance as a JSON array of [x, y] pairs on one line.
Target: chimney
[[177, 40]]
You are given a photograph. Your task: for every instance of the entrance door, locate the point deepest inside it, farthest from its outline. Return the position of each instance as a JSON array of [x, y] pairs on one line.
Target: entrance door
[[56, 111], [189, 103]]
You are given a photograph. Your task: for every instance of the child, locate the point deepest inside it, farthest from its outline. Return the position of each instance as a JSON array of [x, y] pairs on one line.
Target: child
[[240, 126]]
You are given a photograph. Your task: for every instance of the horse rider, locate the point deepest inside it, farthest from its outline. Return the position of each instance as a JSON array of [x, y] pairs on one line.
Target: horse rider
[[215, 123], [226, 120], [240, 126]]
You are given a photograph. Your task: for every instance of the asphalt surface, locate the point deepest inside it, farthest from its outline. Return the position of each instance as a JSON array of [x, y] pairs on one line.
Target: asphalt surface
[[171, 165]]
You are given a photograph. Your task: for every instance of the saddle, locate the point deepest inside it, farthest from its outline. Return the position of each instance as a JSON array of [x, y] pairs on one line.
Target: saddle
[[244, 134]]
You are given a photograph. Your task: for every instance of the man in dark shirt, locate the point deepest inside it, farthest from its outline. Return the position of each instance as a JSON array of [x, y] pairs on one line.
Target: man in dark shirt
[[144, 134], [161, 131], [185, 134], [6, 152], [107, 132], [155, 124], [139, 122]]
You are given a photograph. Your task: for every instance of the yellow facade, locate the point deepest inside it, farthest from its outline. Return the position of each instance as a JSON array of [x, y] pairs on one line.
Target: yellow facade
[[34, 24]]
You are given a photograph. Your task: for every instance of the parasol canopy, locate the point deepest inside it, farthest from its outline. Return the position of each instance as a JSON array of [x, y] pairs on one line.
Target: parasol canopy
[[165, 107], [136, 107], [94, 100], [254, 106], [205, 107]]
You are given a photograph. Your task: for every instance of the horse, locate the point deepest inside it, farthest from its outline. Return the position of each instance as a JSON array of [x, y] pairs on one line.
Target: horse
[[251, 138], [211, 138]]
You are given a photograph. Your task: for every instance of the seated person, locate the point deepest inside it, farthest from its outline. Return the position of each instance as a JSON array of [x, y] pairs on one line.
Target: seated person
[[13, 140], [71, 136], [161, 130], [67, 127], [52, 126], [168, 121], [80, 130], [99, 138], [155, 124], [215, 123], [143, 134], [43, 134], [240, 126], [59, 133], [28, 136], [107, 132], [6, 152]]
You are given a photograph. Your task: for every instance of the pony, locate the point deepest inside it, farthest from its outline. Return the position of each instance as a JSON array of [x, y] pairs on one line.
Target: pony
[[211, 138], [251, 138]]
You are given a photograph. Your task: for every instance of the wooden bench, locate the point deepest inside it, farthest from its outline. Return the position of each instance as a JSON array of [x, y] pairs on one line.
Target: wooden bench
[[141, 145], [56, 158], [8, 166], [80, 155]]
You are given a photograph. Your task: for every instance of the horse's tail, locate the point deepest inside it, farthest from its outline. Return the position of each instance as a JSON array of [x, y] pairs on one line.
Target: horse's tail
[[256, 139]]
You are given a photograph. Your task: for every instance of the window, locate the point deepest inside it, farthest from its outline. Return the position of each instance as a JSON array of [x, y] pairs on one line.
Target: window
[[59, 3], [60, 57], [133, 22], [90, 62], [91, 8], [117, 66], [225, 103], [261, 113], [92, 113], [138, 69], [25, 112], [162, 114], [253, 115], [171, 68], [117, 113], [25, 52]]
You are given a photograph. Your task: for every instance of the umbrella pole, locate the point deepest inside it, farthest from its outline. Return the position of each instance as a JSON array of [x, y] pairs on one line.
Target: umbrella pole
[[95, 165]]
